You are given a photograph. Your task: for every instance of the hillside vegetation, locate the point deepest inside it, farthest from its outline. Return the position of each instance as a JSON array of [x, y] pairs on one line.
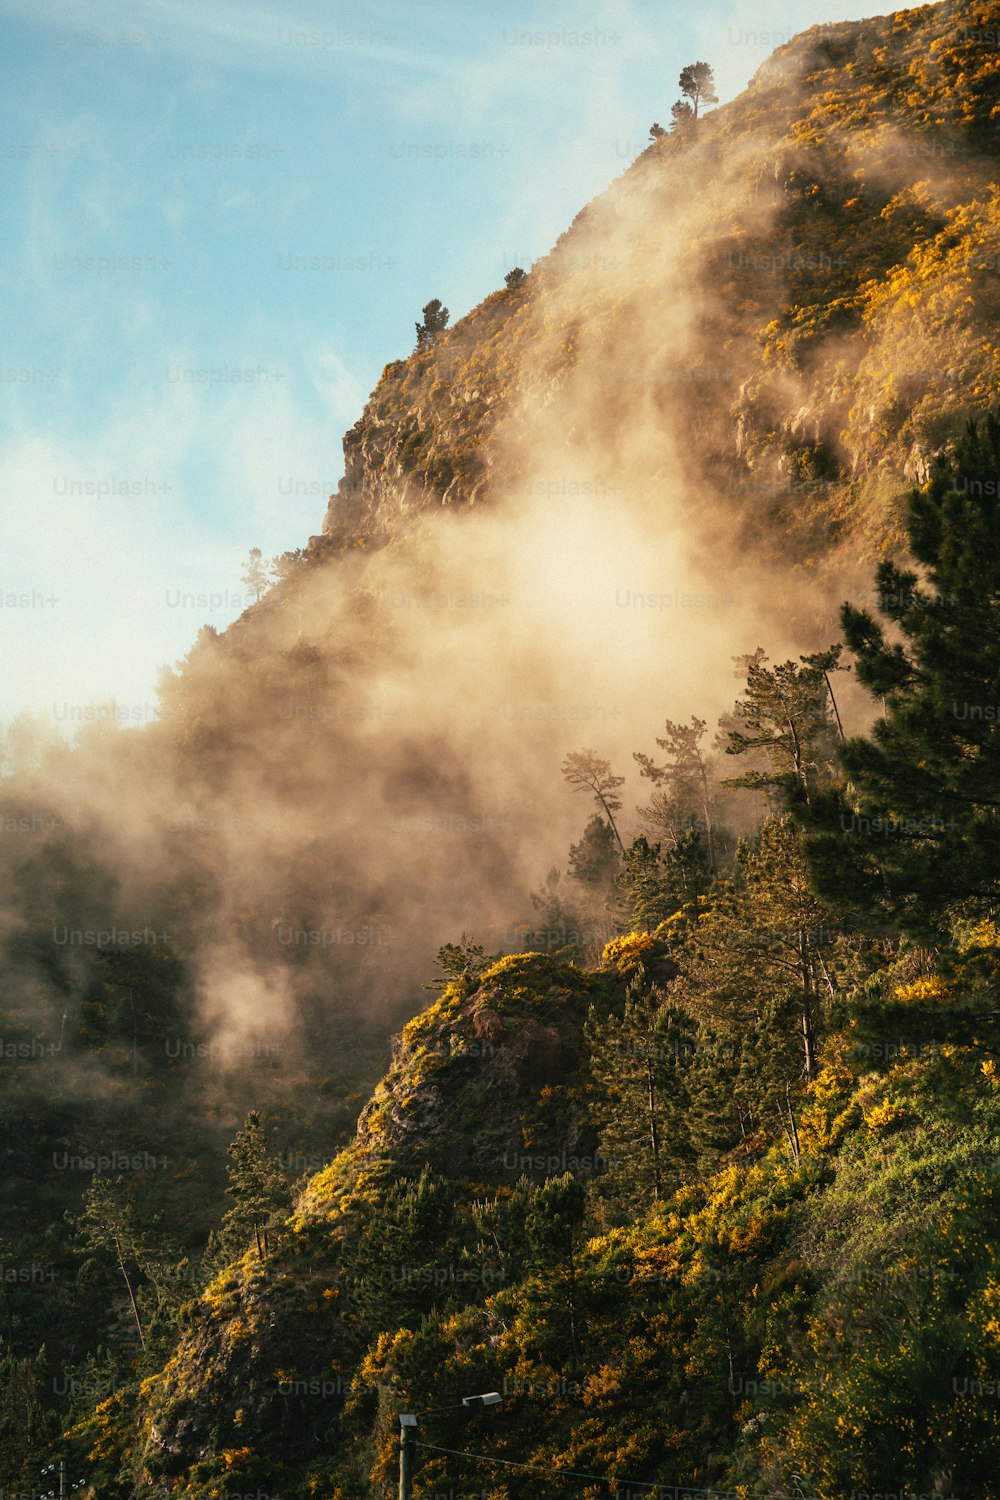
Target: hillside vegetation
[[694, 1156]]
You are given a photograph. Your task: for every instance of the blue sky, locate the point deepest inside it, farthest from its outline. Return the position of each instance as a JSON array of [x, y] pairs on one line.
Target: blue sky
[[220, 220]]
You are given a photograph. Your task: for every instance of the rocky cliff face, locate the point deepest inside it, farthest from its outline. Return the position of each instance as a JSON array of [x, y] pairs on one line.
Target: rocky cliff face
[[791, 302]]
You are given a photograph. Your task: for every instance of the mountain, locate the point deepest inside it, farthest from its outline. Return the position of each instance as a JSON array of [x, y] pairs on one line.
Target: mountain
[[790, 304], [693, 427]]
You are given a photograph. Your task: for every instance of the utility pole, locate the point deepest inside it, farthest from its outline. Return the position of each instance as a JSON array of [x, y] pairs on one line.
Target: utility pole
[[407, 1443], [408, 1435], [60, 1469]]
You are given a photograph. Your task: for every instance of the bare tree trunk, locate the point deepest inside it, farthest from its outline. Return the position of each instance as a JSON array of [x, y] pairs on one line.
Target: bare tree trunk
[[611, 820], [808, 1038], [729, 1344], [792, 1129], [706, 810], [131, 1296], [836, 710]]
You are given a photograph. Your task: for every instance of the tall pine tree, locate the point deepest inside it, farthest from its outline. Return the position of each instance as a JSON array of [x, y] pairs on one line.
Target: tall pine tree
[[916, 832]]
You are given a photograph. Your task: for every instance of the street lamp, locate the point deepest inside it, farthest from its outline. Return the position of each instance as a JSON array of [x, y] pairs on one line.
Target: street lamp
[[408, 1434]]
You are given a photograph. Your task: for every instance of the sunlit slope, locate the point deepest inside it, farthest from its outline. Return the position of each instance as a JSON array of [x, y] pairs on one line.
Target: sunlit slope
[[786, 304]]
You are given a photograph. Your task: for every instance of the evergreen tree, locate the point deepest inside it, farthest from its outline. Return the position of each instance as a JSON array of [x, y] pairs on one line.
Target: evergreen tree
[[787, 716], [259, 1190], [595, 860], [586, 772], [684, 780], [917, 831], [407, 1239], [658, 883], [515, 278], [553, 1223], [656, 131], [560, 927], [500, 1223], [682, 116], [649, 894], [108, 1224], [463, 961], [757, 961], [639, 1061], [435, 321], [697, 83], [720, 1117], [256, 575], [25, 1422]]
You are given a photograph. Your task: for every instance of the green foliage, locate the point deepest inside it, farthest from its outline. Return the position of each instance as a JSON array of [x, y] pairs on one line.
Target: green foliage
[[26, 1423], [920, 813], [788, 716], [462, 962], [559, 926], [586, 772], [684, 793], [108, 1226], [259, 1190], [697, 84], [595, 861], [658, 884], [682, 117], [435, 321], [257, 575], [638, 1064]]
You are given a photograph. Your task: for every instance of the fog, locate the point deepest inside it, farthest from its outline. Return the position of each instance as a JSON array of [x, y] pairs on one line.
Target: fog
[[367, 764]]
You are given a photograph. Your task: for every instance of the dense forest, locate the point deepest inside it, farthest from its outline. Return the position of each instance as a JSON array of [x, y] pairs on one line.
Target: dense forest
[[366, 1046]]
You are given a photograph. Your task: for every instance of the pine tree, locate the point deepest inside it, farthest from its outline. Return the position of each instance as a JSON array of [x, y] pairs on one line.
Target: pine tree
[[638, 1062], [553, 1223], [682, 116], [697, 83], [258, 1188], [719, 1117], [683, 780], [107, 1224], [788, 716], [406, 1240], [463, 961], [595, 861], [657, 883], [559, 927], [757, 960], [256, 575], [649, 894], [587, 772], [25, 1422], [918, 829], [435, 321]]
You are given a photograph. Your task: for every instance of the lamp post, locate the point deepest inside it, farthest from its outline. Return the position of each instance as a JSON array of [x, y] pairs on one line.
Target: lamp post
[[408, 1435]]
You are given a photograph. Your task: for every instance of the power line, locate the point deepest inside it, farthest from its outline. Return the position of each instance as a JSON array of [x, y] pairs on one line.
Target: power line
[[668, 1491], [644, 1484]]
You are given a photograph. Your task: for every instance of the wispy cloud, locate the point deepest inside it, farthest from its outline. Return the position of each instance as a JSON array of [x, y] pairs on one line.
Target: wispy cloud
[[274, 38]]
